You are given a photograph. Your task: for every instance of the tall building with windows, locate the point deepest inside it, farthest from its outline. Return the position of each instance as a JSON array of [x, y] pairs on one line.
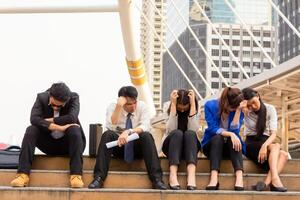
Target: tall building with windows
[[217, 11], [235, 35], [239, 41], [254, 12], [221, 13], [289, 42], [175, 21], [152, 48], [244, 48]]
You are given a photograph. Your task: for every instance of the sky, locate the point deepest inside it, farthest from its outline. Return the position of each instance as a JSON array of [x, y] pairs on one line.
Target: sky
[[83, 50]]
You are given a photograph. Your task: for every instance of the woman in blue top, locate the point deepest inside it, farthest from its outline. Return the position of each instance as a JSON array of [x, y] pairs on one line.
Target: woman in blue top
[[221, 137]]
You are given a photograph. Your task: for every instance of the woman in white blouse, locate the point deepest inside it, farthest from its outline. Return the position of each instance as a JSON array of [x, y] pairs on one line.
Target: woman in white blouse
[[260, 129], [180, 140]]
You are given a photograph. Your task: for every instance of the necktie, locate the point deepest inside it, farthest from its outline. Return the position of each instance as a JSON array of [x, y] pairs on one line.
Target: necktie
[[128, 148]]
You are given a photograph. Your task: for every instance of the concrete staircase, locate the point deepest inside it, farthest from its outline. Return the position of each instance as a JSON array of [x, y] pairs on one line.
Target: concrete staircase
[[50, 180]]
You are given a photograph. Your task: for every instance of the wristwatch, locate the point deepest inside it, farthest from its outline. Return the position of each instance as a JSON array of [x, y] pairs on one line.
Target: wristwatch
[[130, 131]]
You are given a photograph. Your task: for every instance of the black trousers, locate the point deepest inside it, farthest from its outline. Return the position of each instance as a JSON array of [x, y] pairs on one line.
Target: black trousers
[[71, 144], [253, 145], [144, 147], [179, 145], [221, 147]]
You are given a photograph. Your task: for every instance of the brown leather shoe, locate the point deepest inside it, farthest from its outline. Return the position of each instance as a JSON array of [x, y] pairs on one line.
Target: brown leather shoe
[[76, 181], [21, 180]]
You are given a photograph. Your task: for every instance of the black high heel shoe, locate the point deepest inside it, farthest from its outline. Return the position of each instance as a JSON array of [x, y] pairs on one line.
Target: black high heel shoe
[[277, 189], [238, 188], [175, 187], [190, 187], [216, 187]]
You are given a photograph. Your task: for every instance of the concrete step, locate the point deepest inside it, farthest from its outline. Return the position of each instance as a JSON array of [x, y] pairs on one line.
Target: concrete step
[[30, 193], [62, 163], [139, 180]]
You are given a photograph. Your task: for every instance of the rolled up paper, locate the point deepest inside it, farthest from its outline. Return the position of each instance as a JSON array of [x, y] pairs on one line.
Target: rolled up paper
[[133, 136]]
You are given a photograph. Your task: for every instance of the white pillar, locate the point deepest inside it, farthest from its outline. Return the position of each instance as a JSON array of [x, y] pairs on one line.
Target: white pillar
[[136, 67]]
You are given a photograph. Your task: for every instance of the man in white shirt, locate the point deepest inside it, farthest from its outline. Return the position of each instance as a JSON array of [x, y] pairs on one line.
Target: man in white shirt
[[123, 118]]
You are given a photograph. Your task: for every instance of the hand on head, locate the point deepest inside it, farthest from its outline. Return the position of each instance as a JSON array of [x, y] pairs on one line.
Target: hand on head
[[174, 96], [121, 101], [243, 104], [191, 95]]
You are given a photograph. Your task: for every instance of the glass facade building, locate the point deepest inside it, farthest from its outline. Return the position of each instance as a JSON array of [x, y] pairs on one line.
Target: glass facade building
[[235, 35], [289, 42]]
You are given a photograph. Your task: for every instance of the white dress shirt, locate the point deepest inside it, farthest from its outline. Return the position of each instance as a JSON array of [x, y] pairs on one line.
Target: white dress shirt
[[57, 134], [250, 121], [140, 118]]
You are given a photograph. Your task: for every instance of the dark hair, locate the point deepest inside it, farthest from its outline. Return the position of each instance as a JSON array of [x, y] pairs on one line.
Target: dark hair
[[60, 91], [248, 94], [230, 98], [183, 99], [128, 91]]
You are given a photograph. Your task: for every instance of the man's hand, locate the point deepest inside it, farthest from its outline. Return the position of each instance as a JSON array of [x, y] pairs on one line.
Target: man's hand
[[174, 96], [121, 101], [122, 140], [65, 127], [49, 120]]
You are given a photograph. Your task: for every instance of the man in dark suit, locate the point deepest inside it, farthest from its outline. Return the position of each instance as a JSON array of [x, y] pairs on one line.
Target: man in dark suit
[[55, 130]]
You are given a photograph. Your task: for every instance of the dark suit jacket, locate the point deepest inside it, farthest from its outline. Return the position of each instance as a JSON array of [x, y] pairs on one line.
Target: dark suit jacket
[[68, 114]]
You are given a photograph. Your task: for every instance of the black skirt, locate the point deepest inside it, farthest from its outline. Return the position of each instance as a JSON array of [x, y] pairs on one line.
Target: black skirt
[[253, 145]]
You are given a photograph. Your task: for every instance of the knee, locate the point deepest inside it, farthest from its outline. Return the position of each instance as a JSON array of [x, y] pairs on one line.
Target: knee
[[107, 135], [74, 132], [190, 134], [217, 140], [275, 146], [178, 134], [145, 136], [284, 154], [31, 131]]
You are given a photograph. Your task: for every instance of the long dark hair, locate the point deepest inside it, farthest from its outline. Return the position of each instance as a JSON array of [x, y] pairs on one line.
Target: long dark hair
[[248, 94], [183, 99], [230, 98]]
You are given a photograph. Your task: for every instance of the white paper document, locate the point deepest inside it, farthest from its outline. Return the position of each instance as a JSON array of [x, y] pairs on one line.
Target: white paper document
[[133, 136]]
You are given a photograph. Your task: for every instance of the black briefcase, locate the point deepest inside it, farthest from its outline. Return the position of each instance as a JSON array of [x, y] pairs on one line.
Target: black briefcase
[[9, 157], [95, 137]]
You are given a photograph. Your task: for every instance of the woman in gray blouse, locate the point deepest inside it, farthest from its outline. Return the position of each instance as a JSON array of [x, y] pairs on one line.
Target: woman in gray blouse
[[260, 129], [180, 140]]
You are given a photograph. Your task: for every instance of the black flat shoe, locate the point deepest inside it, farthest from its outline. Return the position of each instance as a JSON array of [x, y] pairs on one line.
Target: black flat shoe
[[216, 187], [175, 187], [277, 189], [96, 183], [189, 187], [238, 188], [260, 186]]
